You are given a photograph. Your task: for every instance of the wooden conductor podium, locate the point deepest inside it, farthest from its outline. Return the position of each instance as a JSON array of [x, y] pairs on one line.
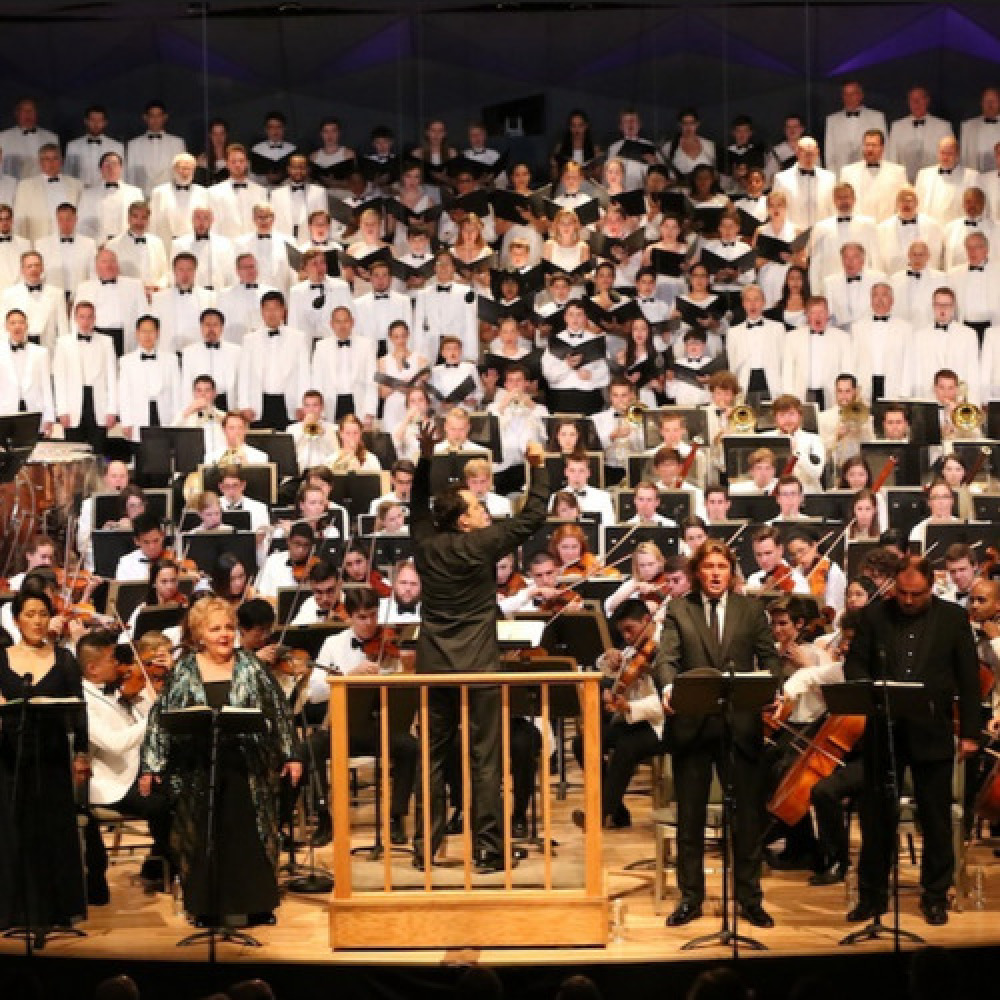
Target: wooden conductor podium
[[450, 905]]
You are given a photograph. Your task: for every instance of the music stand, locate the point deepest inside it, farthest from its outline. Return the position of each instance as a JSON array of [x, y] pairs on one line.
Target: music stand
[[200, 720], [709, 692], [18, 437], [165, 451], [109, 547], [26, 714], [205, 547], [675, 504], [621, 540], [158, 618], [279, 448], [355, 491], [882, 701]]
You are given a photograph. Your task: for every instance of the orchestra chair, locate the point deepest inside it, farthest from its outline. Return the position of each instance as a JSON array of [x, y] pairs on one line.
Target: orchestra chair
[[117, 825]]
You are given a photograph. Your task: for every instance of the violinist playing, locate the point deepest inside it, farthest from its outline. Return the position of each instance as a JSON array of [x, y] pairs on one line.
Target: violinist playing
[[326, 600], [164, 590], [633, 726], [773, 572], [827, 582], [800, 707], [366, 647], [542, 591], [289, 568], [568, 546], [119, 697]]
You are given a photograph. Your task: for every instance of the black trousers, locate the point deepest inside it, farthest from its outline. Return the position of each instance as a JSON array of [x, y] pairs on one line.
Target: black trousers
[[273, 412], [879, 814], [828, 801], [485, 763], [88, 430], [344, 406], [693, 781]]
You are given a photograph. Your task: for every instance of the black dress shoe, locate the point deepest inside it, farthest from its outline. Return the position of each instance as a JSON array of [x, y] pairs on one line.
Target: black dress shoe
[[397, 833], [519, 827], [867, 909], [754, 913], [579, 818], [935, 911], [684, 914], [455, 824], [785, 862], [620, 818], [490, 864], [830, 875]]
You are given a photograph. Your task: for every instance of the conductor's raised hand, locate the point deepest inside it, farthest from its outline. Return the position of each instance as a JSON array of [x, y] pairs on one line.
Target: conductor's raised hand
[[535, 454], [427, 437]]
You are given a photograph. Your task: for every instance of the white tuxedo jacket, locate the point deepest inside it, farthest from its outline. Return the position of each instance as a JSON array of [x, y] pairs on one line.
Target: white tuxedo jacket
[[148, 159], [178, 313], [35, 207], [288, 360], [115, 738], [875, 188], [798, 189], [171, 208], [45, 310], [895, 236], [143, 382], [103, 211], [33, 384], [118, 305], [67, 379], [232, 208], [346, 371], [845, 135]]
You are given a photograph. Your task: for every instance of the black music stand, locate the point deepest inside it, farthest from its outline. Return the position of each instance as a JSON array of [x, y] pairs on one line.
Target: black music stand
[[364, 709], [710, 692], [882, 701], [214, 723], [18, 436], [28, 714]]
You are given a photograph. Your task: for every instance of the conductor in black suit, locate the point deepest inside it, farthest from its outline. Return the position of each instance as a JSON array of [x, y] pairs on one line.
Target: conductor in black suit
[[714, 627], [456, 550], [914, 636]]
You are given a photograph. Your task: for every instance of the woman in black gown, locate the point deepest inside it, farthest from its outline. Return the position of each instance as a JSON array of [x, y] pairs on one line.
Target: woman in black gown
[[249, 767], [40, 860]]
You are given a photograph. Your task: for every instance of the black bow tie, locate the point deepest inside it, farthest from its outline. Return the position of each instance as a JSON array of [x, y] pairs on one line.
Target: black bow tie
[[452, 364], [182, 187], [806, 172], [724, 244], [274, 333], [34, 288], [93, 142], [275, 145], [85, 337], [139, 239], [298, 187], [853, 277], [236, 506], [843, 218], [109, 281], [17, 347], [214, 346], [147, 357], [651, 299], [53, 180], [976, 267], [344, 343], [444, 288], [972, 222], [318, 288], [908, 222], [154, 135], [881, 319], [853, 114], [753, 323], [6, 239], [202, 236], [110, 688], [28, 131], [357, 643], [579, 493], [263, 236], [240, 185], [111, 184], [817, 333], [185, 291], [945, 170], [381, 295], [250, 284], [65, 239], [941, 326], [917, 122], [989, 121], [407, 607], [873, 166]]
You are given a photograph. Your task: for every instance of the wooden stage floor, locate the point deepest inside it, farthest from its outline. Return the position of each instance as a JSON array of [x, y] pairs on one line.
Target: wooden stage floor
[[809, 921]]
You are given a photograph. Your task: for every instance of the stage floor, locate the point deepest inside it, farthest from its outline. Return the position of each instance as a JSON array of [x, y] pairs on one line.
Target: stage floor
[[809, 921]]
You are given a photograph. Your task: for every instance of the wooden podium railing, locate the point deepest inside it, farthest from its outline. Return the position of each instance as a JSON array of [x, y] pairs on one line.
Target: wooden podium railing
[[481, 911]]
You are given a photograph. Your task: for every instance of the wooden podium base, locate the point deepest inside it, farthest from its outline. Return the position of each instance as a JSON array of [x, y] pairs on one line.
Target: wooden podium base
[[481, 918]]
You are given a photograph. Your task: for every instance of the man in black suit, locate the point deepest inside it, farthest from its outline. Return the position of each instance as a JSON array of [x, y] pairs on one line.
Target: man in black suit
[[455, 550], [914, 636], [714, 627]]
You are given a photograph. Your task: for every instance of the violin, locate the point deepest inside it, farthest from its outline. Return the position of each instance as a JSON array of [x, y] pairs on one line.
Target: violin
[[185, 565], [514, 585], [639, 663], [385, 645], [780, 578], [588, 565], [74, 585], [84, 613], [301, 571]]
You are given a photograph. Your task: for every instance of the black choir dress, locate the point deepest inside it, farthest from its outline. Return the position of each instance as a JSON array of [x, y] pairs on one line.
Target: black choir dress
[[40, 856]]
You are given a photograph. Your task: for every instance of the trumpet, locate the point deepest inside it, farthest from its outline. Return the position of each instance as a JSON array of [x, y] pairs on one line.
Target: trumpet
[[967, 419], [312, 429], [636, 413], [854, 414], [742, 420]]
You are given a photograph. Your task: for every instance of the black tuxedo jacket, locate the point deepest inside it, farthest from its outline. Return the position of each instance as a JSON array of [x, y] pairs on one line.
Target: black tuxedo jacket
[[686, 642], [946, 663]]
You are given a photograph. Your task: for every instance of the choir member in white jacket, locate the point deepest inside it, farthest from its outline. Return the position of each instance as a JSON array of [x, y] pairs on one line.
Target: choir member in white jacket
[[141, 254], [39, 196], [343, 370], [233, 200], [881, 342], [22, 141], [815, 354], [913, 287], [12, 246], [148, 156], [68, 256], [215, 253], [940, 187], [829, 236], [849, 292], [945, 343], [85, 381], [83, 154], [214, 356], [808, 188], [44, 304], [974, 219], [269, 247], [875, 179], [149, 390], [908, 226], [240, 303], [311, 302], [25, 373], [179, 306], [754, 348], [119, 300], [172, 202], [846, 129], [103, 208], [296, 199], [913, 140], [445, 308]]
